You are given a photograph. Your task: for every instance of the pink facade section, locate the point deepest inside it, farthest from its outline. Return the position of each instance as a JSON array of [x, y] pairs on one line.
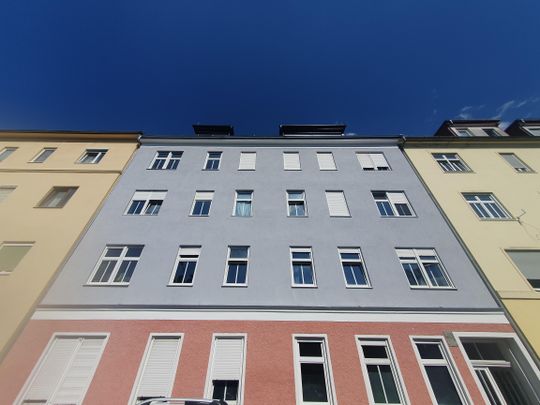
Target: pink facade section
[[269, 370]]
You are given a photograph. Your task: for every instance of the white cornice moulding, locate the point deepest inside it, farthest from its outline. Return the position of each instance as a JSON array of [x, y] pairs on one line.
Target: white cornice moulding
[[274, 315]]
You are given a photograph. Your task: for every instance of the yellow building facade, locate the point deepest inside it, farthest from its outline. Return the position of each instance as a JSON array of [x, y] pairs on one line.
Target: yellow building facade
[[51, 186], [489, 189]]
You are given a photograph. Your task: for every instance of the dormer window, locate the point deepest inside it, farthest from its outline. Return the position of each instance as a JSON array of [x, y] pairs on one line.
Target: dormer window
[[463, 132], [493, 132], [534, 131]]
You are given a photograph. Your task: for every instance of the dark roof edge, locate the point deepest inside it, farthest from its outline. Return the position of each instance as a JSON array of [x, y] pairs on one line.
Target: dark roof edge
[[69, 135], [475, 141]]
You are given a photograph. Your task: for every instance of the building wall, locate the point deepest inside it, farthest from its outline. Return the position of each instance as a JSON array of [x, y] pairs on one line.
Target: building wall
[[269, 367], [269, 232], [53, 231], [487, 240]]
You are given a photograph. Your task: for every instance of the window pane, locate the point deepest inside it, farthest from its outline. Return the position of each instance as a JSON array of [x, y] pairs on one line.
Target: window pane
[[374, 352], [354, 274], [385, 209], [313, 383], [297, 274], [238, 252], [104, 271], [350, 256], [134, 251], [301, 255], [509, 386], [442, 385], [11, 255], [243, 209], [310, 349], [436, 275], [390, 388], [403, 210], [114, 252], [376, 384], [429, 351], [136, 207], [307, 273]]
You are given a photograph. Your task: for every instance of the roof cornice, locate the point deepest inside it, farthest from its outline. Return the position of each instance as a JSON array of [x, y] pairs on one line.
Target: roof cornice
[[69, 136], [273, 141], [451, 141]]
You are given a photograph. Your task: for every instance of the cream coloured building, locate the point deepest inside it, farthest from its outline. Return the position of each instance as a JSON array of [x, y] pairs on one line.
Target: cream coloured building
[[51, 186], [487, 183]]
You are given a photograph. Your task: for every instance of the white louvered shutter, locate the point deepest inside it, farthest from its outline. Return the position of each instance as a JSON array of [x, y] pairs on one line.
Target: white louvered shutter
[[51, 369], [397, 198], [204, 195], [79, 375], [228, 360], [378, 160], [159, 368], [291, 161], [247, 160], [337, 206], [365, 161], [326, 161]]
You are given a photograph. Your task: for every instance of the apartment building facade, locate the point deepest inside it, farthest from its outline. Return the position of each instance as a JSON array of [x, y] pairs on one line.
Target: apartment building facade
[[51, 185], [310, 268], [489, 189]]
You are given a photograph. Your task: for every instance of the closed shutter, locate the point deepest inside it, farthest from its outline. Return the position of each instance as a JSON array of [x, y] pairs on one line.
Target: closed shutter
[[189, 250], [74, 359], [291, 161], [326, 161], [80, 372], [528, 262], [365, 161], [4, 192], [149, 195], [204, 195], [228, 360], [337, 206], [514, 161], [397, 198], [379, 160], [159, 368], [405, 253], [247, 160]]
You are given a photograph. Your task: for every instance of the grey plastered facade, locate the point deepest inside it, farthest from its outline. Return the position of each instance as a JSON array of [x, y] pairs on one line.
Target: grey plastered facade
[[269, 232]]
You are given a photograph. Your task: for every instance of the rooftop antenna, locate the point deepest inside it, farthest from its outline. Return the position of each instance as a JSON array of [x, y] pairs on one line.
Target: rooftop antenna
[[523, 212]]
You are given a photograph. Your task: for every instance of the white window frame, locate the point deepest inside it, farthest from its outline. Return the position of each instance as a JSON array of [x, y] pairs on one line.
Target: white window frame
[[2, 244], [326, 362], [58, 335], [41, 152], [374, 167], [100, 155], [72, 189], [243, 155], [208, 159], [445, 157], [119, 262], [180, 258], [299, 168], [395, 213], [534, 131], [237, 199], [303, 199], [332, 167], [243, 260], [523, 168], [302, 249], [423, 270], [385, 341], [447, 360], [458, 130], [191, 213], [3, 152], [208, 385], [494, 201], [147, 199], [144, 360], [167, 159], [361, 261], [459, 336]]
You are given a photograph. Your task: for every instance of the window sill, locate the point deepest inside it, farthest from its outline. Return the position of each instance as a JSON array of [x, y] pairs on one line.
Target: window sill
[[498, 219], [179, 285], [5, 273], [340, 216], [303, 286], [234, 285], [398, 216], [297, 216], [210, 170], [140, 215], [246, 170], [434, 288], [359, 287], [241, 216], [198, 216], [106, 285]]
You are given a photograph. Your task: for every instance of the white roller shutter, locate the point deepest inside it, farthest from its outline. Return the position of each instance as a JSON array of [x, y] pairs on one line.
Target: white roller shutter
[[4, 192], [189, 250], [204, 195], [228, 359], [365, 161], [379, 160], [159, 367], [81, 370], [337, 206], [425, 252], [247, 160], [149, 195], [291, 161], [397, 198], [405, 252], [66, 371], [326, 161]]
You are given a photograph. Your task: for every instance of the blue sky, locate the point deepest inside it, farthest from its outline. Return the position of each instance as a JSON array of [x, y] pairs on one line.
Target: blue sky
[[381, 67]]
